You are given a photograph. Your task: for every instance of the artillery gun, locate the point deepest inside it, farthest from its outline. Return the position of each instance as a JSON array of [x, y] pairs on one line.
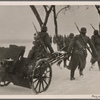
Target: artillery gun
[[25, 72]]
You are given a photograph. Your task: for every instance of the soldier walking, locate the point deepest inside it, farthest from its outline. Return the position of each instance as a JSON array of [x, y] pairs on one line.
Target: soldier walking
[[95, 38], [66, 44], [79, 52]]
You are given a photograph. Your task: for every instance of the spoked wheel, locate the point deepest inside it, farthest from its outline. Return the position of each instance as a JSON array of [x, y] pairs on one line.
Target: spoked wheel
[[41, 77], [5, 83]]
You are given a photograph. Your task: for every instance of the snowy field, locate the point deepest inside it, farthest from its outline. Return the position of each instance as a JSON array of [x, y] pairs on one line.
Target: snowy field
[[62, 85]]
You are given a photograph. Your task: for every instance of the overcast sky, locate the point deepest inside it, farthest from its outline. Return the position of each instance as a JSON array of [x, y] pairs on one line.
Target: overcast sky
[[16, 21]]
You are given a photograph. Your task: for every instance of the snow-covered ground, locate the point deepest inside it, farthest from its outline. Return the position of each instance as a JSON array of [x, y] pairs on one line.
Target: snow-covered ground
[[62, 85]]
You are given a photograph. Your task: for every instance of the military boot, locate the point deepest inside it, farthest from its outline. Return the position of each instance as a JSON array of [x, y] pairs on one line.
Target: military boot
[[72, 75], [72, 78], [99, 65], [81, 72]]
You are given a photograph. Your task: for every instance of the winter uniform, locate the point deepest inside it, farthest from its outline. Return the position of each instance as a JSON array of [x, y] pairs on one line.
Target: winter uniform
[[38, 49], [67, 42], [45, 38], [96, 41], [79, 53], [59, 42]]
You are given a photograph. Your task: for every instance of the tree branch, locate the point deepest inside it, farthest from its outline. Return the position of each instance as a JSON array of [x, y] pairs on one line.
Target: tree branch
[[61, 10], [55, 21], [47, 15], [97, 7], [36, 14], [45, 8]]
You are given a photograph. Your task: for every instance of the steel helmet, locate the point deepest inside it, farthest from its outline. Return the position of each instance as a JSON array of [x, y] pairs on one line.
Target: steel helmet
[[71, 35], [83, 30], [43, 28], [95, 32]]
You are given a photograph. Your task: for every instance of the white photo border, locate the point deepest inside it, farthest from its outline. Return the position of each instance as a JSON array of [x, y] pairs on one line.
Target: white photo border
[[49, 97]]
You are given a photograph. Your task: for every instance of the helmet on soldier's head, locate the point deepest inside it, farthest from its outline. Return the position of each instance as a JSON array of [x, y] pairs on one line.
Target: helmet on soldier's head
[[95, 32], [83, 30], [71, 35], [43, 28]]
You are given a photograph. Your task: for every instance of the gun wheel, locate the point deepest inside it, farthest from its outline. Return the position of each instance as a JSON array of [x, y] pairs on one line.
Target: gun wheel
[[42, 75], [5, 83]]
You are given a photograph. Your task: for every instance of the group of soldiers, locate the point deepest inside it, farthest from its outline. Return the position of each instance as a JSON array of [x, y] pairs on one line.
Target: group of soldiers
[[74, 47]]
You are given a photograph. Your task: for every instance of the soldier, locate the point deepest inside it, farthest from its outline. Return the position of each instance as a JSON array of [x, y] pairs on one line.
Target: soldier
[[79, 53], [44, 36], [32, 52], [59, 42], [38, 48], [95, 38], [66, 43]]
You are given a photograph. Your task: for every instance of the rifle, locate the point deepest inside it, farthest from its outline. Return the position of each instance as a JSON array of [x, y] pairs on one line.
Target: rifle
[[40, 39], [99, 28], [88, 48], [92, 27], [62, 48]]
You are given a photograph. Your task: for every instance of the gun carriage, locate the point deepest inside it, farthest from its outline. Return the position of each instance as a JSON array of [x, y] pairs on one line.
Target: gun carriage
[[25, 72]]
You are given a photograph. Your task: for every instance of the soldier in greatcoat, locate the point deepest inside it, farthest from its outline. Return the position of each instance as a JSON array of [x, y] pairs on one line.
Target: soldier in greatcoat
[[66, 44], [95, 38], [41, 42], [41, 47], [79, 52], [45, 38]]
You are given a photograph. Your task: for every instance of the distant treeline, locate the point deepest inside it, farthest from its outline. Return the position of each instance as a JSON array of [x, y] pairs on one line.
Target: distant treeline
[[16, 41]]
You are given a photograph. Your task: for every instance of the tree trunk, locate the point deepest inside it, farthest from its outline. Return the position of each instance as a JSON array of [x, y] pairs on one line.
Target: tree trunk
[[98, 9], [55, 21], [47, 14], [36, 15]]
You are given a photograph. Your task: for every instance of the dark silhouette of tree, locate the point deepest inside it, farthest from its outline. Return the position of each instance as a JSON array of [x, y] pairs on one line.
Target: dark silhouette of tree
[[98, 8], [56, 16], [47, 11], [36, 15]]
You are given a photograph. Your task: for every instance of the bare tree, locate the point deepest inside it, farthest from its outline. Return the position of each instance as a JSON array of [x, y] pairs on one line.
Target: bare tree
[[56, 15], [98, 8], [36, 15], [47, 11]]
